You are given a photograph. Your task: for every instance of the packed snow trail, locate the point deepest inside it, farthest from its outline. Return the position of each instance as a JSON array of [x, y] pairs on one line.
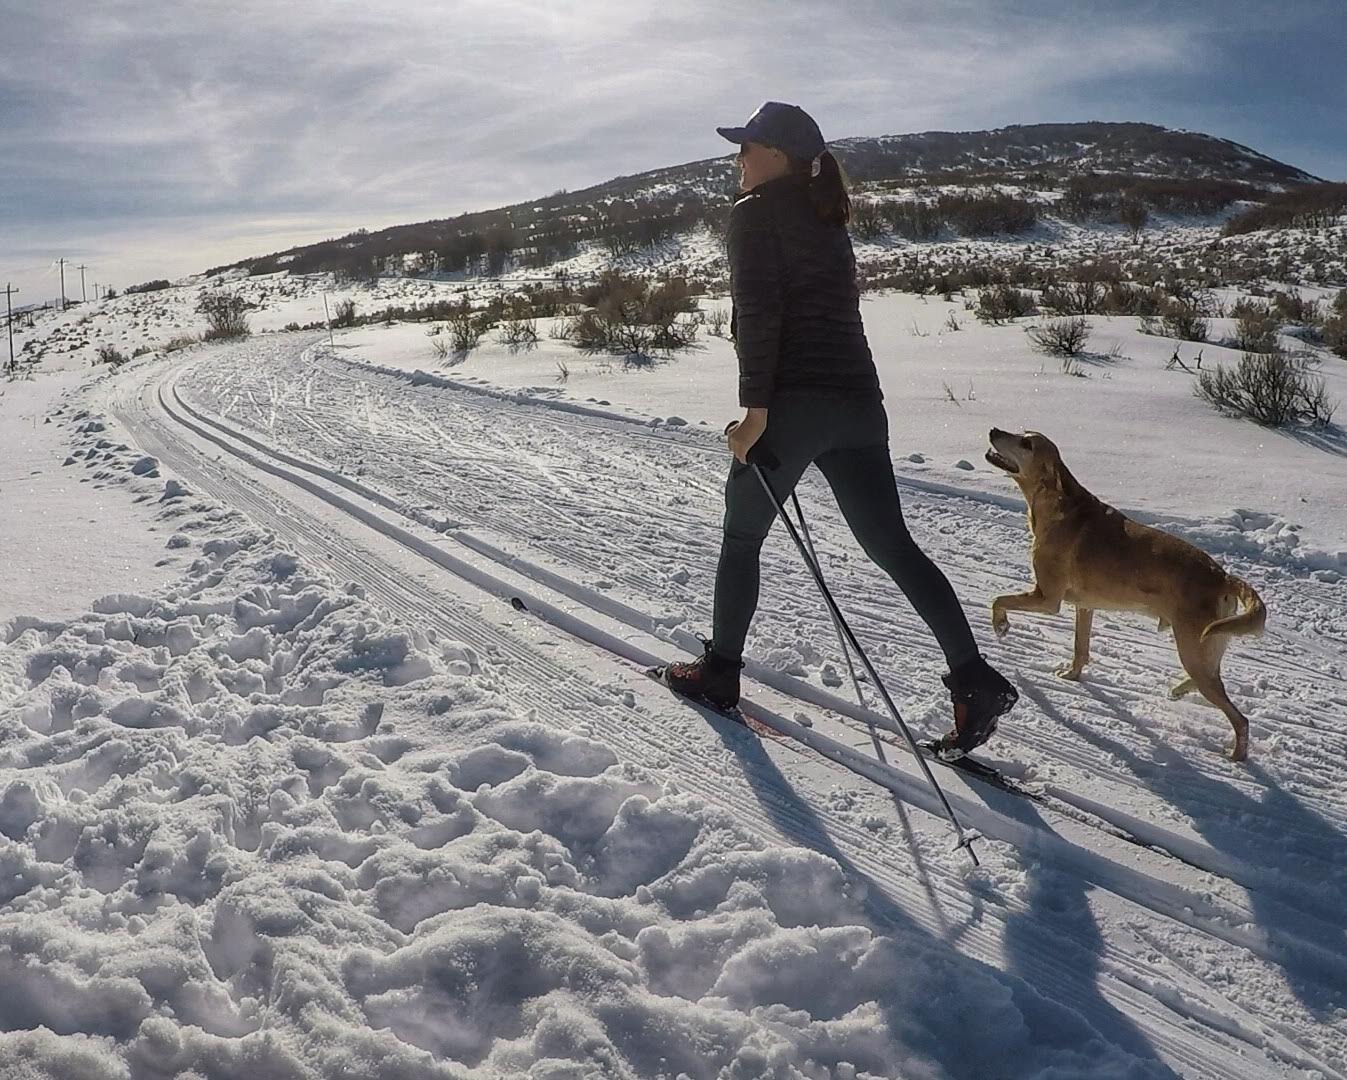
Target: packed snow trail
[[615, 506]]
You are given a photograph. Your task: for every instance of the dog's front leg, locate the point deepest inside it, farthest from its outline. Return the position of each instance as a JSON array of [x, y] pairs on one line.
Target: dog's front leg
[[1080, 653], [1036, 600]]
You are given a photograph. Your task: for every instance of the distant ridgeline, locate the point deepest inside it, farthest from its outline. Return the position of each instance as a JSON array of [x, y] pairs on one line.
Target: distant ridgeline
[[922, 187]]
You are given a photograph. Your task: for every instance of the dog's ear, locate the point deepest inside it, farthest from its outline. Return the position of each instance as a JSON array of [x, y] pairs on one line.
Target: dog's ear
[[1054, 480]]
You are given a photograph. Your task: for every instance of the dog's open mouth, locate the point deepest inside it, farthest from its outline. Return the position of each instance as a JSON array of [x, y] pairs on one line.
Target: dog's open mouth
[[1002, 462]]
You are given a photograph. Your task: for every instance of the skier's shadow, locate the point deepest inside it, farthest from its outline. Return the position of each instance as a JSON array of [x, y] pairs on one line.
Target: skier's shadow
[[1034, 988], [1224, 816]]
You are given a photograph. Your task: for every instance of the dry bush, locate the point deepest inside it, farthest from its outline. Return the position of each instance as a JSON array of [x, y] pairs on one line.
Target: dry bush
[[1133, 213], [1306, 206], [1061, 337], [987, 214], [225, 315], [344, 313], [911, 219], [1256, 326], [1292, 307], [868, 221], [1335, 334], [1075, 298], [466, 328], [1270, 388], [110, 355], [1001, 303], [517, 334], [631, 317], [1183, 318], [148, 286]]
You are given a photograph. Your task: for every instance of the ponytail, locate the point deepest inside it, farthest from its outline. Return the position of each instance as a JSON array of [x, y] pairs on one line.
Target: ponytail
[[827, 188]]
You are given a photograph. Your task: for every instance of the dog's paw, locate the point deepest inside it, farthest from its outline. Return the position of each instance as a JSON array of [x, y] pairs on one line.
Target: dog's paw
[[1070, 673], [1000, 625]]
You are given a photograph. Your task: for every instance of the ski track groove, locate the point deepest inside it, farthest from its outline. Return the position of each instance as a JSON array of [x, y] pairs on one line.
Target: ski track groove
[[520, 521], [569, 695], [1046, 744]]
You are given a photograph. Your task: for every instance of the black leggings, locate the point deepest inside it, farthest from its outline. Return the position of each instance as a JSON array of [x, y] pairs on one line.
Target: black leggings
[[848, 439]]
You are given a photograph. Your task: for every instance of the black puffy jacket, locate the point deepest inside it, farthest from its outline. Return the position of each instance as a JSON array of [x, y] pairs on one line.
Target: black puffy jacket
[[797, 317]]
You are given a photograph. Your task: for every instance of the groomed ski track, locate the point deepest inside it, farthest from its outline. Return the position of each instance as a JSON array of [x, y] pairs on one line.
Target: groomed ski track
[[442, 502]]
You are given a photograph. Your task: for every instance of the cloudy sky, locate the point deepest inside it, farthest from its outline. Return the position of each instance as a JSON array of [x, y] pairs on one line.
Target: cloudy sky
[[153, 138]]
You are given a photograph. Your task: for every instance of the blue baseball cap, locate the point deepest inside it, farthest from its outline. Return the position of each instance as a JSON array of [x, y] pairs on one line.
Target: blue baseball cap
[[786, 127]]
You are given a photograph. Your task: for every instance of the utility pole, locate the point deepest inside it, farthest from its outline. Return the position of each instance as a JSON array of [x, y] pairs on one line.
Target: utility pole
[[62, 262], [83, 291], [9, 321]]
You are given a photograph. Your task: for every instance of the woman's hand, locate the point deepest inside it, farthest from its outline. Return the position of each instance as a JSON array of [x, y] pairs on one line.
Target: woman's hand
[[743, 434]]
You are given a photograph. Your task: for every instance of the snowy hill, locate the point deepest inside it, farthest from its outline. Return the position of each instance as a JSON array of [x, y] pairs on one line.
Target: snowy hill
[[1170, 168]]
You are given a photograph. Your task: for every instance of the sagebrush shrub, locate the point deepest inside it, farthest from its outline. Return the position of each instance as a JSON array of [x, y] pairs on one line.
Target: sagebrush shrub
[[225, 315], [1075, 298], [1184, 319], [110, 355], [1292, 307], [344, 313], [867, 220], [1001, 303], [1335, 334], [1270, 388], [517, 334], [1256, 326], [1061, 337]]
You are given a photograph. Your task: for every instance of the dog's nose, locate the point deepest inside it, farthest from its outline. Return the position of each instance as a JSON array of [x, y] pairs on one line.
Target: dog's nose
[[994, 433]]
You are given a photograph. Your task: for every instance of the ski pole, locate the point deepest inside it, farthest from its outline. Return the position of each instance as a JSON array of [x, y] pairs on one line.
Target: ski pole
[[964, 841], [841, 638]]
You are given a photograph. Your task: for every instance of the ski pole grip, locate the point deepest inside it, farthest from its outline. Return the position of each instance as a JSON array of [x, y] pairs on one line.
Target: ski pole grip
[[759, 454]]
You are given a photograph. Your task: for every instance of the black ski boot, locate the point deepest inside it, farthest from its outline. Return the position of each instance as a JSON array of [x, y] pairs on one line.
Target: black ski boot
[[711, 678], [981, 695]]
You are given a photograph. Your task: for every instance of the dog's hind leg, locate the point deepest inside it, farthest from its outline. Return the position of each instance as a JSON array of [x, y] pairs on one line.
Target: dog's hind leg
[[1035, 600], [1202, 660], [1080, 654]]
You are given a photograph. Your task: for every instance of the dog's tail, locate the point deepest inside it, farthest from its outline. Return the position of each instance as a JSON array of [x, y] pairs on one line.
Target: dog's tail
[[1249, 621]]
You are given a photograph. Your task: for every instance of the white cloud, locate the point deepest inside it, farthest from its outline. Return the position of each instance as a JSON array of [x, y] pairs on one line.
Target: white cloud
[[153, 112]]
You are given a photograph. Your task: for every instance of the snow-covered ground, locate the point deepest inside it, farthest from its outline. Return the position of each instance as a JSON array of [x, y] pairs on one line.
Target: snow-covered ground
[[320, 802], [1131, 429], [65, 537]]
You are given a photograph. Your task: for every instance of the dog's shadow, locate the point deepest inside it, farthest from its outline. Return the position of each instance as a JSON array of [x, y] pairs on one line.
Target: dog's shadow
[[1289, 905]]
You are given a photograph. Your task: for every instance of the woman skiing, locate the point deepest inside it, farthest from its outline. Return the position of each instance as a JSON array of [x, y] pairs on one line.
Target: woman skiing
[[811, 394]]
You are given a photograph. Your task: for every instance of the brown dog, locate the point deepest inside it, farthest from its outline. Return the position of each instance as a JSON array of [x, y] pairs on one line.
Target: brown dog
[[1088, 554]]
